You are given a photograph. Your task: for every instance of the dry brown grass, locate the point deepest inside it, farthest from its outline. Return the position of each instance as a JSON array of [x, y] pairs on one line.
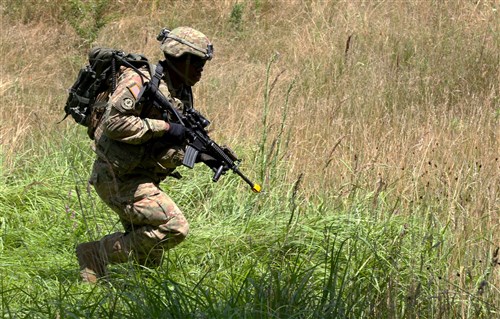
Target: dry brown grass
[[396, 98]]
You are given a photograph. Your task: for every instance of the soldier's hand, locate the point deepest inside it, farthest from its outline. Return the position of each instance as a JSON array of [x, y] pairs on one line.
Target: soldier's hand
[[176, 133]]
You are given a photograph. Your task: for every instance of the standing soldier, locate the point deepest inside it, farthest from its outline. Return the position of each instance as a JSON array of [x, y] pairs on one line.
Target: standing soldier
[[136, 149]]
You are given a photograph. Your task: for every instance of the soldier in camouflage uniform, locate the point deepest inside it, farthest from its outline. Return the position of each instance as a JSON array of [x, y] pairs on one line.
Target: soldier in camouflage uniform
[[136, 149]]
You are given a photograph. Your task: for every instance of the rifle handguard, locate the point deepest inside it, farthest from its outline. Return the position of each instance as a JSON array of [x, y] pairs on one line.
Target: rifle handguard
[[230, 153]]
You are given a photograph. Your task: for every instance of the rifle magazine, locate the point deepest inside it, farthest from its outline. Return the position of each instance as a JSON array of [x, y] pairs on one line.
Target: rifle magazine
[[190, 156]]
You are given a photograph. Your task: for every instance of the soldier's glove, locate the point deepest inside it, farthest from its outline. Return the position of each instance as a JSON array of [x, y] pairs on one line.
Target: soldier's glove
[[176, 133]]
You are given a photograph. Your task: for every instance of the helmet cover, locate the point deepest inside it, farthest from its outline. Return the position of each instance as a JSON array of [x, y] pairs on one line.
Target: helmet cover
[[184, 40]]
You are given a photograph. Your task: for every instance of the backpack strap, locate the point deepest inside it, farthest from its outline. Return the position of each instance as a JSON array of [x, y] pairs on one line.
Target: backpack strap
[[151, 88], [155, 80]]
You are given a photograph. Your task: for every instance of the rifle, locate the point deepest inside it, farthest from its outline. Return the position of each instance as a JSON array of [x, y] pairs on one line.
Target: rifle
[[200, 142]]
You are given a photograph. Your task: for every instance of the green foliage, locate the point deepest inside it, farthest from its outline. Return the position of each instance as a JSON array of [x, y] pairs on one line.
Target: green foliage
[[273, 255], [28, 11], [410, 100], [88, 17], [236, 16]]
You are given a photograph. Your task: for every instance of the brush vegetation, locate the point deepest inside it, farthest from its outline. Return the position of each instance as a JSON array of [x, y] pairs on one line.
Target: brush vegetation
[[373, 127]]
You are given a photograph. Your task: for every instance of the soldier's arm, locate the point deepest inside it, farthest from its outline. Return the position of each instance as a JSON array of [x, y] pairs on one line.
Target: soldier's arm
[[123, 122]]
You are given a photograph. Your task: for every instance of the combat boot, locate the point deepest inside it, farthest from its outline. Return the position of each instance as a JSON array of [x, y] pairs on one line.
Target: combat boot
[[92, 261]]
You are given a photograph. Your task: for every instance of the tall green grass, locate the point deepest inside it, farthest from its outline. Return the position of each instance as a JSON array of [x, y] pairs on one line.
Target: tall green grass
[[373, 127], [273, 255]]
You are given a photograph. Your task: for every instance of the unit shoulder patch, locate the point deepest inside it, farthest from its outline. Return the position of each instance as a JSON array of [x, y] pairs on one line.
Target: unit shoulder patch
[[127, 104]]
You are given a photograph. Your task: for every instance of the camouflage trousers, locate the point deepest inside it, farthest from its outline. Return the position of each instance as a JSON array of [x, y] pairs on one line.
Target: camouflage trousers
[[151, 220]]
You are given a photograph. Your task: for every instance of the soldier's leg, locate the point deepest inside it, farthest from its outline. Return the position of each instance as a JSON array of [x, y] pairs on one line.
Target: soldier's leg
[[153, 223], [153, 258], [151, 219]]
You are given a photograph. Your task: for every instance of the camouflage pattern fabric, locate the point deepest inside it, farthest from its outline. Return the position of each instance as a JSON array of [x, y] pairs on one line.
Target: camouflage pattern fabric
[[152, 221], [133, 157], [130, 133], [183, 40]]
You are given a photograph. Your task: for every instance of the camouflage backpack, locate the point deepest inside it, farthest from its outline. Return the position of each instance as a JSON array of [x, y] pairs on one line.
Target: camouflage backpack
[[88, 96]]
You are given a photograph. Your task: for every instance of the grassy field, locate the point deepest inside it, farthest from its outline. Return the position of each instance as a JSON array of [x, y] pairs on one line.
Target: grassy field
[[373, 126]]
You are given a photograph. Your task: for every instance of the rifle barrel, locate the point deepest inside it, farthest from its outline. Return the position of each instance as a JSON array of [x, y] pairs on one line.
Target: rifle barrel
[[256, 188]]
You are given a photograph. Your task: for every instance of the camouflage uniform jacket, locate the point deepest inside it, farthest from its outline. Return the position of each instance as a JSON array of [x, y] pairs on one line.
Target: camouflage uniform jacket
[[130, 135]]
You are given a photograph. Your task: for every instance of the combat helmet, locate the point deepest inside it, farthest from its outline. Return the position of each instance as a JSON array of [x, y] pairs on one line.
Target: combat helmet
[[183, 40]]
